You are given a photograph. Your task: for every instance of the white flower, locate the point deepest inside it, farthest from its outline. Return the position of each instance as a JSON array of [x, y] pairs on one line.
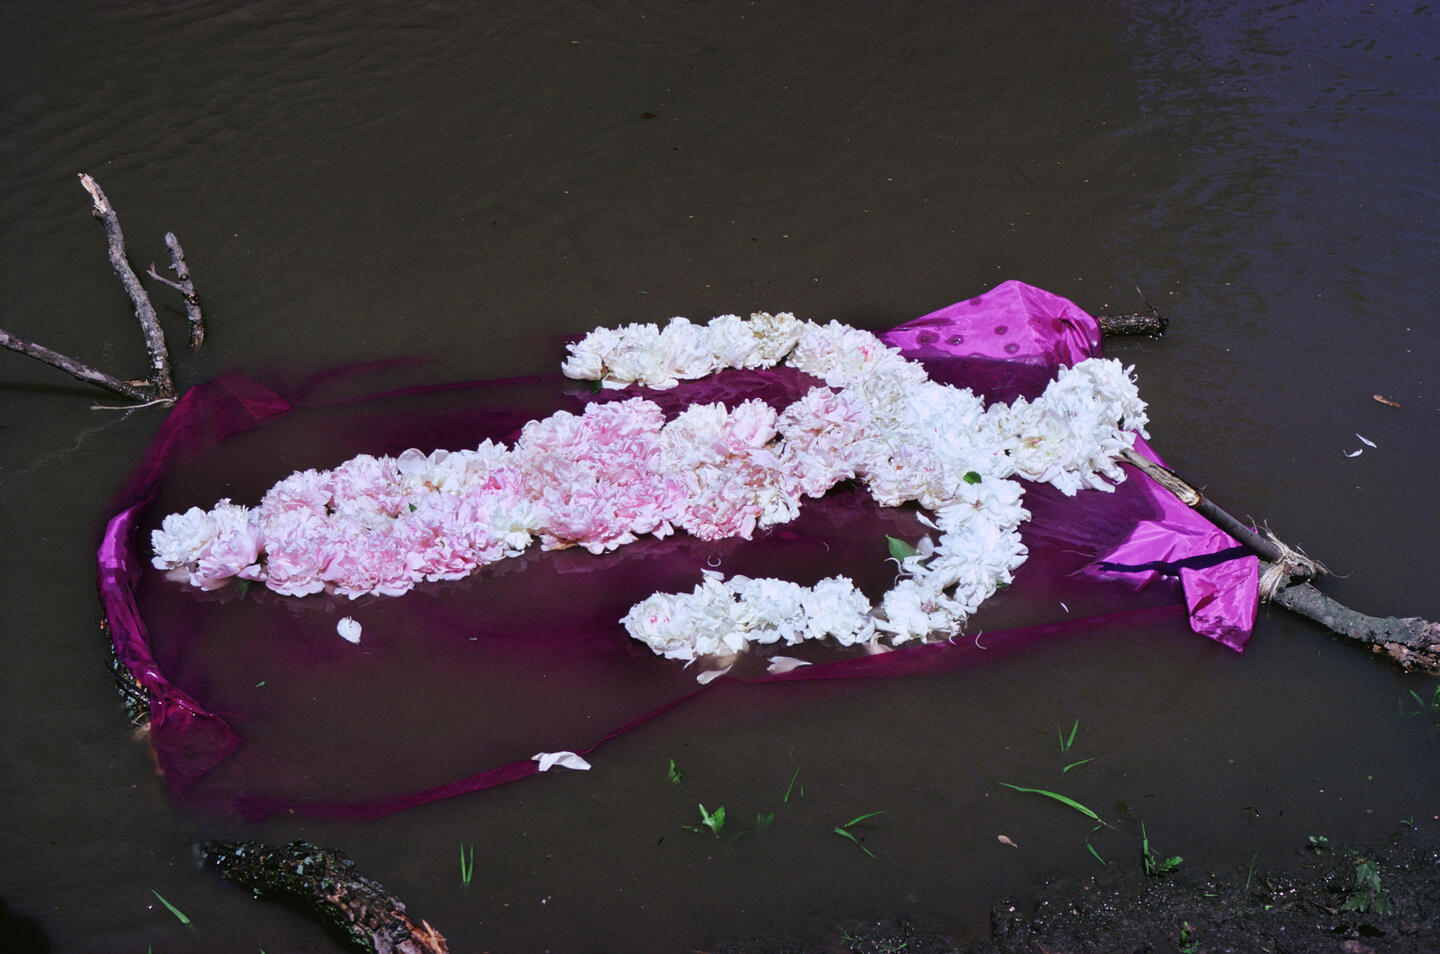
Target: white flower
[[181, 539], [776, 336], [588, 355], [835, 608], [912, 611]]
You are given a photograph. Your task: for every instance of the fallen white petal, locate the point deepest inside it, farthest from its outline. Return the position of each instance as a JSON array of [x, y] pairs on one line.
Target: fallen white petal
[[1355, 453], [710, 675], [1366, 441], [349, 630], [785, 664], [570, 760], [1005, 840]]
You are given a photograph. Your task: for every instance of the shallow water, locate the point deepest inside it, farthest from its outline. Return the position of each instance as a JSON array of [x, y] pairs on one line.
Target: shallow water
[[366, 180]]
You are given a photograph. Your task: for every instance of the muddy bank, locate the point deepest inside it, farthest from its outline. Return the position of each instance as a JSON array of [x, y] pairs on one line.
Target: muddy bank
[[1380, 899]]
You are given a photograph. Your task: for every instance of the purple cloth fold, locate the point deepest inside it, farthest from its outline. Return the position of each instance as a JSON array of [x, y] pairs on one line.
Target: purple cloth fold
[[258, 706]]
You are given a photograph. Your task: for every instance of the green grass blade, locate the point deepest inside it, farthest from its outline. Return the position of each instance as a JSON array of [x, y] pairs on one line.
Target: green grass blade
[[179, 915], [1075, 764], [846, 833], [858, 820], [791, 787], [1062, 799]]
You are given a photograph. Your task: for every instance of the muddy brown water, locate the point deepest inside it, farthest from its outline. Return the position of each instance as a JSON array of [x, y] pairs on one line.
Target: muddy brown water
[[469, 183]]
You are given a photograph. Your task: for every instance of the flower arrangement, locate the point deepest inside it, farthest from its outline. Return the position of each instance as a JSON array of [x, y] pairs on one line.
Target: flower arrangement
[[620, 470]]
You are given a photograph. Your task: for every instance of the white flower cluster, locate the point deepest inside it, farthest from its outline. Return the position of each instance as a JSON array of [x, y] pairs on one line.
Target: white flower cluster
[[720, 618], [661, 358], [879, 419]]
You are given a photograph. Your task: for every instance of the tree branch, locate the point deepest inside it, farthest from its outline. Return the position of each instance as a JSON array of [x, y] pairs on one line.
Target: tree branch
[[326, 882], [185, 288], [75, 369], [1412, 642], [160, 388], [161, 378]]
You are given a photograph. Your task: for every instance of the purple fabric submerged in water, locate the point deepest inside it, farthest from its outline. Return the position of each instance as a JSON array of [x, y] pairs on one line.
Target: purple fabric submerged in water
[[257, 705]]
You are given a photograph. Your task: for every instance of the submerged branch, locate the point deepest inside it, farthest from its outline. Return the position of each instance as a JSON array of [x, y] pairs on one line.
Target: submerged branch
[[327, 883], [1413, 643]]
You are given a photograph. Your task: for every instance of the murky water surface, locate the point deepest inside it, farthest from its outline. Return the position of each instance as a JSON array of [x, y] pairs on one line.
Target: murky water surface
[[464, 185]]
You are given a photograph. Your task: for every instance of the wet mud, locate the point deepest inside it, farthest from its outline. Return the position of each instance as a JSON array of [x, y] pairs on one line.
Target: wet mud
[[1381, 899]]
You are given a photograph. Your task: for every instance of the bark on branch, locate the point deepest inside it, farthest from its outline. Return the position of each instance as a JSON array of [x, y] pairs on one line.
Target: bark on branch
[[1150, 323], [133, 391], [160, 387], [328, 883], [183, 285], [161, 378], [1412, 642]]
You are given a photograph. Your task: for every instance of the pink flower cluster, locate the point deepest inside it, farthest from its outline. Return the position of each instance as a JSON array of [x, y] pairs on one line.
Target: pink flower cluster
[[597, 480]]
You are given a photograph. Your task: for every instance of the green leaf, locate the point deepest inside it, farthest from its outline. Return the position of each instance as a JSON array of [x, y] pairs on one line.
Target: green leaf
[[179, 915], [899, 549], [1074, 764], [764, 820], [675, 776], [971, 477]]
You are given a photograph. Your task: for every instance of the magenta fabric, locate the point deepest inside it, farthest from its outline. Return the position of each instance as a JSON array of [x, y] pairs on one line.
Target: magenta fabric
[[259, 706]]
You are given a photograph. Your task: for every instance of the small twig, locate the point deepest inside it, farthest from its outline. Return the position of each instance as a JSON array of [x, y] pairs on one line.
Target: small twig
[[185, 287], [161, 378]]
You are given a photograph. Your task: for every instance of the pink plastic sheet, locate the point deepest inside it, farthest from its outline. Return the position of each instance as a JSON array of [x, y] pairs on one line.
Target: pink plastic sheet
[[257, 705]]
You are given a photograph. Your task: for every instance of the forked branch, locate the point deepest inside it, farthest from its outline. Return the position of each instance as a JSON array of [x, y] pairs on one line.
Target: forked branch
[[160, 386]]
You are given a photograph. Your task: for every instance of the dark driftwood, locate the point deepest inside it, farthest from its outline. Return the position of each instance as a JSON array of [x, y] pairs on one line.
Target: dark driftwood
[[1152, 324], [1412, 642], [326, 882], [160, 387]]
